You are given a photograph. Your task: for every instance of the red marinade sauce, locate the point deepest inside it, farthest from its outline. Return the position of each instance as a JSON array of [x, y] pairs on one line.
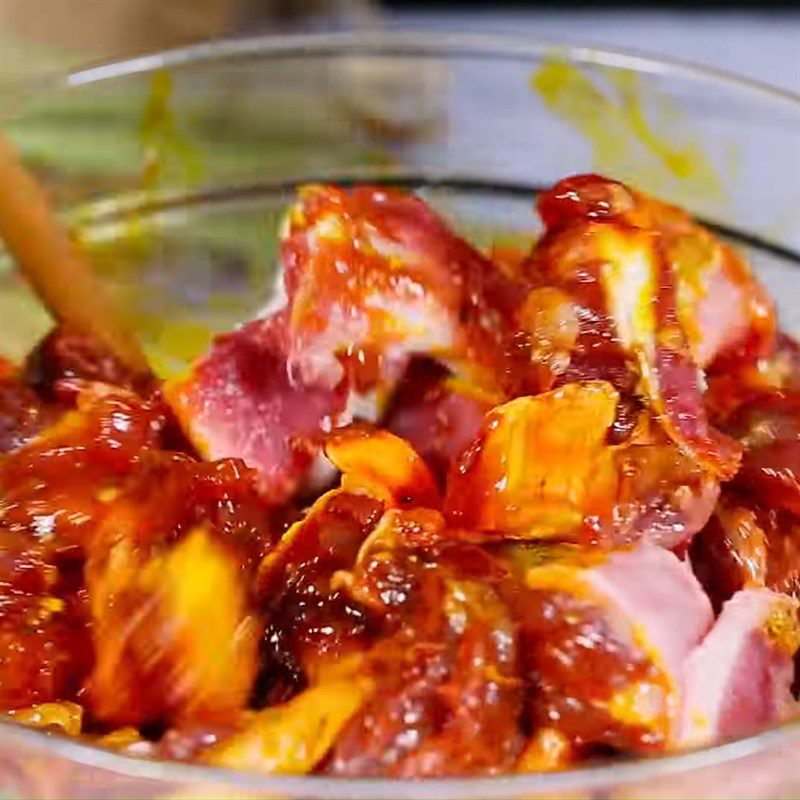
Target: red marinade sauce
[[67, 355], [446, 670], [307, 617], [22, 412], [574, 663]]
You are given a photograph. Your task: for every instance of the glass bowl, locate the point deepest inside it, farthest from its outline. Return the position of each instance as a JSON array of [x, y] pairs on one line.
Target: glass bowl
[[173, 170]]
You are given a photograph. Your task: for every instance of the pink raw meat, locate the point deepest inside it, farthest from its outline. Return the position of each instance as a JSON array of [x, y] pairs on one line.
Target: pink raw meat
[[739, 679]]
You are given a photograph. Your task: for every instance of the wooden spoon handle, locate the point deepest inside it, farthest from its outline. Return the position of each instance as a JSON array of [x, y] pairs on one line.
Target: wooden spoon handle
[[51, 262]]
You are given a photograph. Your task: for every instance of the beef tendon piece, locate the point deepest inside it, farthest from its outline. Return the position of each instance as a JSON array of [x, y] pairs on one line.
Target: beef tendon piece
[[311, 621], [663, 495], [724, 310], [173, 634], [292, 738], [640, 294], [746, 545], [604, 647], [739, 679], [540, 467], [440, 683], [58, 485], [769, 429], [612, 259], [241, 401], [381, 465], [445, 663], [374, 276], [543, 467], [437, 414]]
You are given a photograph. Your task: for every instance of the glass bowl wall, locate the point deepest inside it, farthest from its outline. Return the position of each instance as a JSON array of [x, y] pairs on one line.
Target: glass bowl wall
[[173, 170]]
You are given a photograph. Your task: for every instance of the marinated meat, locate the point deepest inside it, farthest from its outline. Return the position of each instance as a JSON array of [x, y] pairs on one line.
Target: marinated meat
[[242, 401], [739, 680], [543, 467], [605, 646], [443, 513], [609, 251], [747, 545]]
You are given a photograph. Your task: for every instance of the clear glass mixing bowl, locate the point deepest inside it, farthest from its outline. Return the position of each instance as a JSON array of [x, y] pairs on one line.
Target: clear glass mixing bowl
[[173, 170]]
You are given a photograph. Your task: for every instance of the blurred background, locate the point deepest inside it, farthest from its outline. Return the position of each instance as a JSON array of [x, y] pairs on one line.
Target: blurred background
[[757, 39], [175, 179]]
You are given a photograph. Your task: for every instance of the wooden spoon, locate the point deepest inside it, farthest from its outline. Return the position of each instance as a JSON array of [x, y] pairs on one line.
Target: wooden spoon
[[53, 265]]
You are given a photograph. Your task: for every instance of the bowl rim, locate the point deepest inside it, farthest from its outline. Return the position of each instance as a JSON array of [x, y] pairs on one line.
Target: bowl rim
[[403, 41], [598, 775], [398, 43]]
